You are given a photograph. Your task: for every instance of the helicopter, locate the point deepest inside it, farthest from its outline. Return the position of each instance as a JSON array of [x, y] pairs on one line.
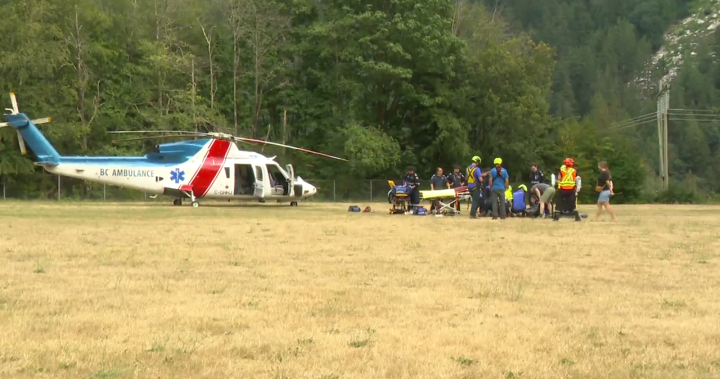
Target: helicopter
[[209, 168]]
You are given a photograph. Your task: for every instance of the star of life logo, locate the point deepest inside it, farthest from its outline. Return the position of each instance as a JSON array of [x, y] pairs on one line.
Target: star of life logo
[[177, 176]]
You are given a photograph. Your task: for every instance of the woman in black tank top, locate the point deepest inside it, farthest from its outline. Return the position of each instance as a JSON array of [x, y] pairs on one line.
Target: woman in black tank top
[[605, 188]]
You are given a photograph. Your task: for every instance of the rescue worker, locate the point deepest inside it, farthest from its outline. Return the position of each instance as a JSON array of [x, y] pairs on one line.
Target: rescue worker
[[567, 186], [555, 178], [536, 176], [499, 182], [413, 182], [486, 208], [508, 200], [518, 205], [474, 182], [578, 185], [456, 180], [545, 194], [437, 182]]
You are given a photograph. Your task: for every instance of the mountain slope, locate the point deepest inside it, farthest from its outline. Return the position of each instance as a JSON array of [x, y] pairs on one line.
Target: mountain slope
[[683, 38]]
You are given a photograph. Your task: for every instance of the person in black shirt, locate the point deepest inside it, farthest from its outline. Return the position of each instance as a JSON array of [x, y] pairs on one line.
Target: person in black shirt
[[605, 188], [536, 176], [456, 180], [438, 182], [413, 182]]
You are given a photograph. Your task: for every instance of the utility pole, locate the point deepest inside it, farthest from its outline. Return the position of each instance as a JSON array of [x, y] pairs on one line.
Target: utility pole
[[666, 144], [663, 105], [660, 120]]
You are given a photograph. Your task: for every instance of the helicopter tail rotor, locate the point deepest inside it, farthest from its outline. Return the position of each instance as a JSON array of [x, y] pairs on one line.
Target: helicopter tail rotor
[[14, 111]]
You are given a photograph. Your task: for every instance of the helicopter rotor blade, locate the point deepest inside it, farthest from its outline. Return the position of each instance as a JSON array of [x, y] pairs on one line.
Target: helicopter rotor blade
[[13, 99], [153, 131], [289, 147], [153, 137], [180, 133]]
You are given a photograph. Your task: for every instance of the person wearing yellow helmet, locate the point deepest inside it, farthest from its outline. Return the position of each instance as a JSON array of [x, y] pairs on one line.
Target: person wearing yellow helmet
[[499, 182], [474, 182]]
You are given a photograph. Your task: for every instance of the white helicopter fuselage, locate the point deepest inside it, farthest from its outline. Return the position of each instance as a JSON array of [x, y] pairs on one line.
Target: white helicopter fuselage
[[214, 169]]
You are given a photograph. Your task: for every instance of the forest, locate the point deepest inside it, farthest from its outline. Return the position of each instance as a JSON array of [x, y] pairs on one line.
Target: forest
[[385, 83]]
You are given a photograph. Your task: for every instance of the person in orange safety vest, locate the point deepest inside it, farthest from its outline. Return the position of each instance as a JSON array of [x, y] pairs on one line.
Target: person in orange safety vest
[[567, 185]]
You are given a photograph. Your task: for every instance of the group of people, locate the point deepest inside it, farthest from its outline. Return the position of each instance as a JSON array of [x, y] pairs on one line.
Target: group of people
[[493, 185]]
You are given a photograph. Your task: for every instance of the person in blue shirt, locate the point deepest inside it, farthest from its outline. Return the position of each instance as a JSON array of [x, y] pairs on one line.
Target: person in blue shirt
[[499, 181], [474, 181]]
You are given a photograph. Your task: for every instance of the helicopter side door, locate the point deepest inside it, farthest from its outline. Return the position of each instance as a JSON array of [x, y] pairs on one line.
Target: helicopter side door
[[261, 181], [291, 187], [243, 179]]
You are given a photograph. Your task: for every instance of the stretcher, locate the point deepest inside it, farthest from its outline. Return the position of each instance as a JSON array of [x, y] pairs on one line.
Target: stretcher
[[398, 197], [447, 201]]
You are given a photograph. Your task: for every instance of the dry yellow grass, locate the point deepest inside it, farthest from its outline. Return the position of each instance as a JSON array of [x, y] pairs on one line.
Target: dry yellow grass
[[134, 291]]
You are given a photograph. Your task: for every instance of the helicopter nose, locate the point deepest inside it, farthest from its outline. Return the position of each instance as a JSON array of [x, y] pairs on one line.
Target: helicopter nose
[[309, 189]]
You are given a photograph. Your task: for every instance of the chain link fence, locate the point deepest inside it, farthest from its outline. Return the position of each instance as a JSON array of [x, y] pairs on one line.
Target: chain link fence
[[53, 187]]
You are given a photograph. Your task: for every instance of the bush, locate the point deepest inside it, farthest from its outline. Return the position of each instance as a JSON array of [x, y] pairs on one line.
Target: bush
[[679, 195]]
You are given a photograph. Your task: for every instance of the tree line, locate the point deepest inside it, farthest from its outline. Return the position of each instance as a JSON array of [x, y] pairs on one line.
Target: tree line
[[387, 84]]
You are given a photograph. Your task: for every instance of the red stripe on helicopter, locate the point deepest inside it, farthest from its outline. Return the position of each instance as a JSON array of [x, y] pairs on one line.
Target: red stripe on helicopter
[[222, 164], [211, 166], [192, 180]]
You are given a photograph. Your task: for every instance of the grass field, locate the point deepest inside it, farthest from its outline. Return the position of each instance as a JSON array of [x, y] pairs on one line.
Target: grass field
[[136, 291]]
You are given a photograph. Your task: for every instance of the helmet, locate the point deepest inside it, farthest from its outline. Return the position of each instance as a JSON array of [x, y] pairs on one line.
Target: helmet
[[569, 162], [476, 159], [498, 161]]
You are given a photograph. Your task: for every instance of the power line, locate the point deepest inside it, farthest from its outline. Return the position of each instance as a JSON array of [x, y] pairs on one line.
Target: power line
[[696, 119], [648, 116], [672, 116], [632, 125], [636, 118], [694, 114], [692, 110]]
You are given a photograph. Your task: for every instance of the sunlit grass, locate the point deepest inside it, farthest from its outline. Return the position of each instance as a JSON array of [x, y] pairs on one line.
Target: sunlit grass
[[130, 290]]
